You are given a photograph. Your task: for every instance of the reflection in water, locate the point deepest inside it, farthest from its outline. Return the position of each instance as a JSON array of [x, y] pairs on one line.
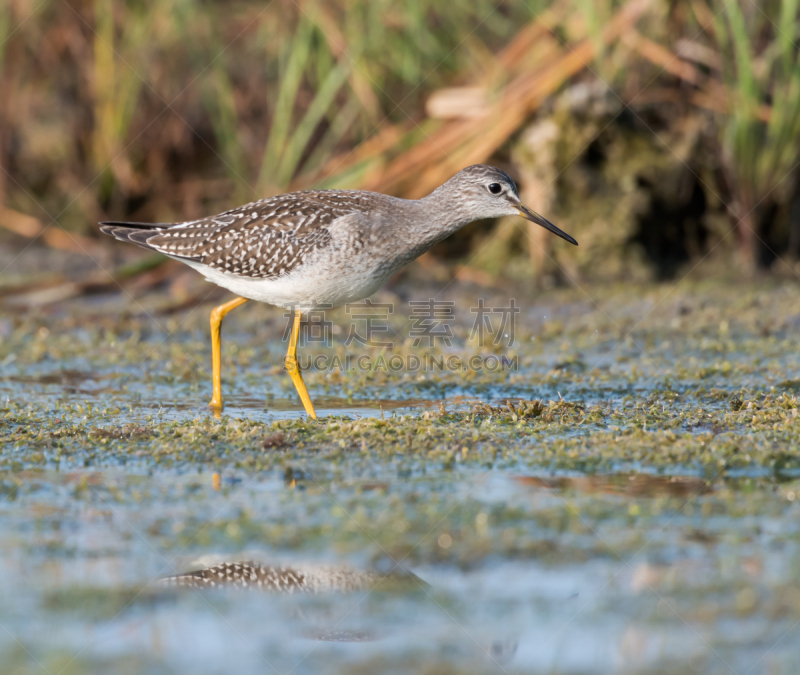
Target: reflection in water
[[308, 578], [316, 578], [304, 578]]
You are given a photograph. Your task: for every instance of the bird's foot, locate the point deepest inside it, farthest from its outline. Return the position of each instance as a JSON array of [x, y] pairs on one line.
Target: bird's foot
[[216, 407]]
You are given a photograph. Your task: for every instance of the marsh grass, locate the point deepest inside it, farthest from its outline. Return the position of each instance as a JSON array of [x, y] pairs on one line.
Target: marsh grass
[[136, 98], [761, 64]]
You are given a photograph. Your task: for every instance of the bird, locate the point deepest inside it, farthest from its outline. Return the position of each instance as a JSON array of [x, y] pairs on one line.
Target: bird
[[318, 249]]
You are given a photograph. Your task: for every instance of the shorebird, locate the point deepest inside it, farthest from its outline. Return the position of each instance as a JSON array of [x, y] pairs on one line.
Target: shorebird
[[322, 248]]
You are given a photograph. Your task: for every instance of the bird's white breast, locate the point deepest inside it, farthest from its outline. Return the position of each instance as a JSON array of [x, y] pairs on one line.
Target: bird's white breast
[[314, 285]]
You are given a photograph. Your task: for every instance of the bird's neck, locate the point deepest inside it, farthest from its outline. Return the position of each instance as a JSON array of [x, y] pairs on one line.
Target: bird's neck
[[424, 223], [440, 214]]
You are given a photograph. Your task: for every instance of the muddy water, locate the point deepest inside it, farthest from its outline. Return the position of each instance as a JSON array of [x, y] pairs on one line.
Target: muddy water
[[624, 501]]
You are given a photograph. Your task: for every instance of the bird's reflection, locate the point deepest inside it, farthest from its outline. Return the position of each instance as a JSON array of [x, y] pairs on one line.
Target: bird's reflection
[[326, 622], [299, 577], [323, 620]]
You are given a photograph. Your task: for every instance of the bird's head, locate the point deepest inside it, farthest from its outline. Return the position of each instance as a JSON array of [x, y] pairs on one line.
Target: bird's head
[[490, 192]]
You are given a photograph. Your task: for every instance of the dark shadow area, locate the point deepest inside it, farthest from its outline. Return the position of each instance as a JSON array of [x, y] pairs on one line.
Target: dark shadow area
[[671, 232]]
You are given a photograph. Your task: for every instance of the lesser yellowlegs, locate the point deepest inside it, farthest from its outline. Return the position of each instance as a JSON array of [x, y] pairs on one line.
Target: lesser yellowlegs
[[322, 248]]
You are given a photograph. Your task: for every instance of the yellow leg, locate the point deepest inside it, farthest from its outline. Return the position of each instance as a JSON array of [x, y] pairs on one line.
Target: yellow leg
[[216, 356], [294, 369]]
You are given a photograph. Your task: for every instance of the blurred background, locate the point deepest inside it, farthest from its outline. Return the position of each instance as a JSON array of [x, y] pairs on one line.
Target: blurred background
[[664, 135]]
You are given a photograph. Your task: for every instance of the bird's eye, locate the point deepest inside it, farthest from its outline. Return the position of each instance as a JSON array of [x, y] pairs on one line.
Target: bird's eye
[[495, 188]]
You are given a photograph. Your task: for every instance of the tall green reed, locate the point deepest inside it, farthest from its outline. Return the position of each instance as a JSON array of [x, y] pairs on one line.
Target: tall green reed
[[761, 65], [237, 98]]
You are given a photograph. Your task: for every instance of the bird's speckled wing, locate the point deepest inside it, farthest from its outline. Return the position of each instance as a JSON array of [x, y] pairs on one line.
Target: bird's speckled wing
[[260, 240], [244, 574]]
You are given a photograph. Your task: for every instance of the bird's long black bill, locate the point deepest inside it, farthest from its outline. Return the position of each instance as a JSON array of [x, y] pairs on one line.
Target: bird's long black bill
[[534, 217]]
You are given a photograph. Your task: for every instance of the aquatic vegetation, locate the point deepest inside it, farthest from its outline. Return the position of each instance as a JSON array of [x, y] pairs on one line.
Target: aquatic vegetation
[[639, 465]]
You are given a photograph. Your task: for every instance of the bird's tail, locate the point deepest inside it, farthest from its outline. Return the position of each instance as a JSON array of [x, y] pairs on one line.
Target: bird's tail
[[136, 233]]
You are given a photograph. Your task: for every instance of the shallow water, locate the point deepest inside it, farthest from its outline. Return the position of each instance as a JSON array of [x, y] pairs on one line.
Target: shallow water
[[619, 503]]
